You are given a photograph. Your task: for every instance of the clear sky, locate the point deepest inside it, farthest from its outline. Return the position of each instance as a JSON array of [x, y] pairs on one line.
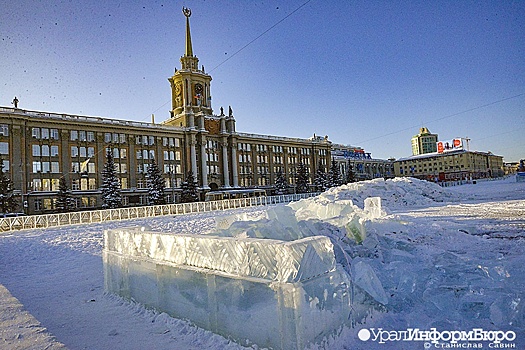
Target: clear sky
[[365, 73]]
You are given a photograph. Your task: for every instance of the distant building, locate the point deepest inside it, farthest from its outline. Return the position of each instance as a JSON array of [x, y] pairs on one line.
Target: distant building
[[363, 165], [424, 142], [457, 164]]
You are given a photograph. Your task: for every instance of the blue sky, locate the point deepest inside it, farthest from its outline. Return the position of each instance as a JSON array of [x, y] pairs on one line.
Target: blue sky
[[365, 73]]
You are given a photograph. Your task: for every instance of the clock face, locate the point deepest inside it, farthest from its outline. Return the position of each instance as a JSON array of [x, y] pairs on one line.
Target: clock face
[[198, 89]]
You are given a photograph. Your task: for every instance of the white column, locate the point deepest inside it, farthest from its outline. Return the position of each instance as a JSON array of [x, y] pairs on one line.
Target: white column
[[225, 163], [235, 175], [204, 167], [193, 156]]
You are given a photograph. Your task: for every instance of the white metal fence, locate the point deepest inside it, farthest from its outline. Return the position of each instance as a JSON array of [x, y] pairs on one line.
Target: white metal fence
[[94, 216]]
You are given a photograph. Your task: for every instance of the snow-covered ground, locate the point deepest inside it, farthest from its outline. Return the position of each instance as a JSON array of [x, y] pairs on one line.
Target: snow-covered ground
[[449, 259]]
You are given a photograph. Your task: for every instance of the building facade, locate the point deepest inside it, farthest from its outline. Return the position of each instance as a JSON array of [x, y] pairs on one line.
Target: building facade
[[451, 166], [424, 142], [38, 148]]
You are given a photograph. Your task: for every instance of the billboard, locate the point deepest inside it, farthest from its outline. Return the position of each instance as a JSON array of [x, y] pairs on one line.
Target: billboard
[[451, 145]]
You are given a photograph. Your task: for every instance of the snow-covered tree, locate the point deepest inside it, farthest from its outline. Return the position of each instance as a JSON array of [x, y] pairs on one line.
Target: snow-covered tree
[[189, 189], [350, 177], [8, 202], [321, 179], [334, 175], [64, 200], [156, 184], [111, 196], [302, 180], [281, 185]]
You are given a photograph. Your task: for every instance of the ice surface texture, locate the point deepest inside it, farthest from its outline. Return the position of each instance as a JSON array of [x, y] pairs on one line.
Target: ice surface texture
[[268, 259]]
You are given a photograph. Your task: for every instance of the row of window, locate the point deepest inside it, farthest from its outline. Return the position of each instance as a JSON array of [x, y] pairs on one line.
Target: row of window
[[44, 133], [278, 149], [50, 203], [44, 151]]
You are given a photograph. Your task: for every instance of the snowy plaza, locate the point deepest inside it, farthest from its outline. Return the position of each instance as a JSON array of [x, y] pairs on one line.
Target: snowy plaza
[[428, 258]]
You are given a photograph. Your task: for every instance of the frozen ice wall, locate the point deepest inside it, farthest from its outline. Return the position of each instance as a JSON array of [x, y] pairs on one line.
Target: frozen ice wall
[[277, 294]]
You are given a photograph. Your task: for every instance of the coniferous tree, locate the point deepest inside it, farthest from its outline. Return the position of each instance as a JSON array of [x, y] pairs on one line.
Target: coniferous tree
[[302, 178], [334, 176], [350, 177], [189, 189], [64, 200], [321, 179], [281, 185], [156, 184], [8, 203], [111, 196]]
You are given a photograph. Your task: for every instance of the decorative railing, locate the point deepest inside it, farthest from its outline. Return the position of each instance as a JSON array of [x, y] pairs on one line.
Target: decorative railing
[[128, 213]]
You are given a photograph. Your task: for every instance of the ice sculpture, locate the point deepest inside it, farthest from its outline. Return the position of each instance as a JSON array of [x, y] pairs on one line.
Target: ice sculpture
[[277, 294], [282, 280]]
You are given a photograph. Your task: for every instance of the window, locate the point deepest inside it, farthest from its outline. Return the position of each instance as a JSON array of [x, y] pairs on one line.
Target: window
[[4, 130], [36, 167], [55, 169], [74, 151], [35, 132], [36, 185], [45, 167], [122, 138], [82, 135], [36, 150], [4, 148], [54, 151], [123, 153], [91, 168], [44, 133], [123, 182], [90, 136], [6, 165], [91, 152], [75, 167], [45, 150], [75, 184], [83, 152], [151, 140], [115, 138], [92, 184], [74, 135], [107, 137], [54, 134]]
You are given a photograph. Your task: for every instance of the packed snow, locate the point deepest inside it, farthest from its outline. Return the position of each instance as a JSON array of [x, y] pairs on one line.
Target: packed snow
[[426, 257]]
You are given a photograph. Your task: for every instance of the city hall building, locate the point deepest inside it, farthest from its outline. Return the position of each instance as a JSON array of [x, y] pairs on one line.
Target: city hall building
[[38, 148]]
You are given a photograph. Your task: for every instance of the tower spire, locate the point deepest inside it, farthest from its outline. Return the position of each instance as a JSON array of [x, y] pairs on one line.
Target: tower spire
[[189, 50]]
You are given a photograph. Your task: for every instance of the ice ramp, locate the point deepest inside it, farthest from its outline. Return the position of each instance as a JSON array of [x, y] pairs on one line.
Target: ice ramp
[[276, 294]]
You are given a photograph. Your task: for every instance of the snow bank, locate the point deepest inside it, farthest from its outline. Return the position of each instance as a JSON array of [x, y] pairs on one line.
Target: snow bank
[[397, 192]]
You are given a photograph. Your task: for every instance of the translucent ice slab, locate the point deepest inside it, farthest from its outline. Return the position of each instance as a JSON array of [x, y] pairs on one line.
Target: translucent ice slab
[[277, 294]]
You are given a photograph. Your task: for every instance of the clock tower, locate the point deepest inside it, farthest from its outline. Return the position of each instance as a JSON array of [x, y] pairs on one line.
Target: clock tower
[[190, 86]]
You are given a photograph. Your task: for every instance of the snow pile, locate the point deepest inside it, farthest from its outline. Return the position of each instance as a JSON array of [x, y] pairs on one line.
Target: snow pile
[[393, 192]]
